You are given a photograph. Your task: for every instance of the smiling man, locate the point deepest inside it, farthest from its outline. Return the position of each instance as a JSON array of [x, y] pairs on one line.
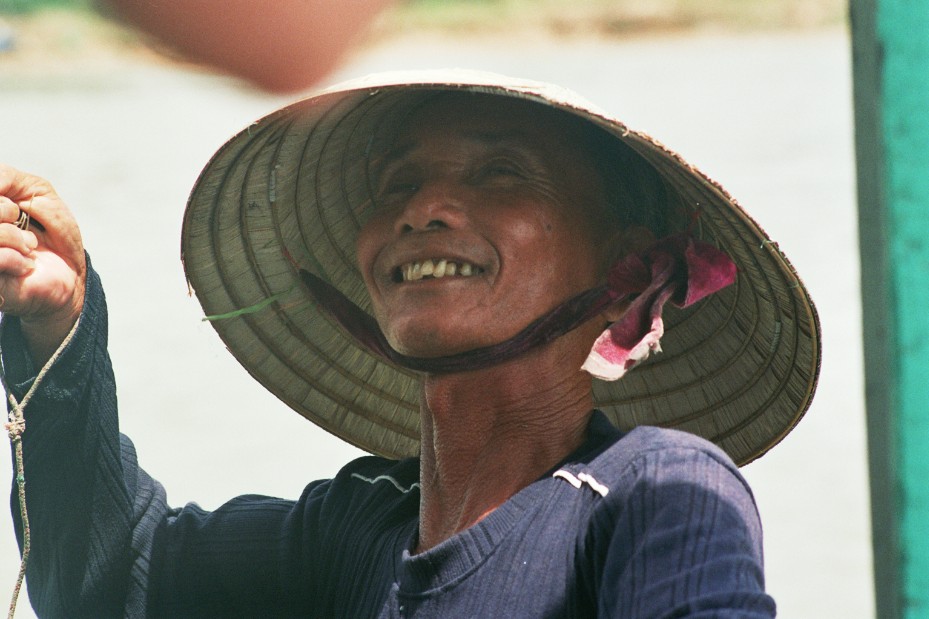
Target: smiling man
[[451, 272]]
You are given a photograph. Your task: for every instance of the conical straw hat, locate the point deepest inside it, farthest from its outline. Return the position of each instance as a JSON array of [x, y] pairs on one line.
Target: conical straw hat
[[291, 191]]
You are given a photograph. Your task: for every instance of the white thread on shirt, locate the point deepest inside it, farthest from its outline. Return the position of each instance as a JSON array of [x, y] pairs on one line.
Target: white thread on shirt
[[593, 483], [393, 481], [582, 478], [568, 477]]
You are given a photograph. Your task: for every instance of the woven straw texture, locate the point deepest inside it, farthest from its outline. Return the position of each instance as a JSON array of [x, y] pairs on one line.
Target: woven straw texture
[[291, 191]]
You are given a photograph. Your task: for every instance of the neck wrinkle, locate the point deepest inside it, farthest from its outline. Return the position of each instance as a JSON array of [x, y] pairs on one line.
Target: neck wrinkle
[[487, 434]]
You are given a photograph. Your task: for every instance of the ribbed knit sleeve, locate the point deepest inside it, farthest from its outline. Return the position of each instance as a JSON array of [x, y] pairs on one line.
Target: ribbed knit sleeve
[[329, 554], [92, 511], [684, 537]]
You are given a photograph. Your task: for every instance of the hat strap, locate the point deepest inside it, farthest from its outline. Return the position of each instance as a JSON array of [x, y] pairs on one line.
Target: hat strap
[[677, 268]]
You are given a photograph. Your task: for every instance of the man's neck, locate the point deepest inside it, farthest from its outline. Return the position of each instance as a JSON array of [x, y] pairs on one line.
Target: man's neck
[[489, 433]]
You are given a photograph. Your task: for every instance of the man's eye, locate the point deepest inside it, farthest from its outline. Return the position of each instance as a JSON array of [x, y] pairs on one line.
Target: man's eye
[[396, 190], [499, 170], [502, 171]]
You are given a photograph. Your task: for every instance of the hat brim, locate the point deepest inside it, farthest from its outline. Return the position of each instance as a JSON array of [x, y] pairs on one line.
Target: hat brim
[[291, 191]]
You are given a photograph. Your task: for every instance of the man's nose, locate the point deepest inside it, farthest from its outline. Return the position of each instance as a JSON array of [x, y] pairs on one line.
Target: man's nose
[[434, 204]]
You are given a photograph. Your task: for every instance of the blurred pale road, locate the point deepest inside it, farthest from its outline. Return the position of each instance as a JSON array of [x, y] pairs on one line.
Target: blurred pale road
[[767, 115]]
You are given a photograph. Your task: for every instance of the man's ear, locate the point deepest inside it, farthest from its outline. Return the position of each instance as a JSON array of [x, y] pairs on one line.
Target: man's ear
[[631, 240], [636, 239]]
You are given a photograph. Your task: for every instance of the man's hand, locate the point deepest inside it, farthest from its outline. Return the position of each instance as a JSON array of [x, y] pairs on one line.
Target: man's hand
[[42, 268]]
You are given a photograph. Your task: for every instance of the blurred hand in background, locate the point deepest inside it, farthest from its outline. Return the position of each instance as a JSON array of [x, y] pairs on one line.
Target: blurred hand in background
[[281, 46]]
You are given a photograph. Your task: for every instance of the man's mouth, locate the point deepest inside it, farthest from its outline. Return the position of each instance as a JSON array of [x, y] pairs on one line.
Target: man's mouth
[[435, 269]]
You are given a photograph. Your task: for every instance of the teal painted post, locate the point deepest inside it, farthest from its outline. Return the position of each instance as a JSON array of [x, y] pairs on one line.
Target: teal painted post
[[891, 60], [904, 27]]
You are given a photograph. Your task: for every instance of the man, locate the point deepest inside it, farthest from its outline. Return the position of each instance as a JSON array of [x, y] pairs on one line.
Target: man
[[502, 236]]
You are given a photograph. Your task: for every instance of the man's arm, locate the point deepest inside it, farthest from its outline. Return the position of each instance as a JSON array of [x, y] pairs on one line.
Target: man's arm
[[87, 500], [92, 511], [685, 541]]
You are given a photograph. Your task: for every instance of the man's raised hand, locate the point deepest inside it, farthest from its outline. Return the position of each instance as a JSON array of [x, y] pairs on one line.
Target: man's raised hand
[[42, 268]]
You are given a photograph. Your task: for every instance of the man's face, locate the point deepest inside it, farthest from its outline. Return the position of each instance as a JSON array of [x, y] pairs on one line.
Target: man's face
[[496, 199]]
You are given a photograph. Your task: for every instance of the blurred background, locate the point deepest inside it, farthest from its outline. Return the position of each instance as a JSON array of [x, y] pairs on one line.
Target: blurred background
[[757, 93]]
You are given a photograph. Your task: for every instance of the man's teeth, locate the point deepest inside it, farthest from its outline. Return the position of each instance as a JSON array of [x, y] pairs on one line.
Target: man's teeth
[[413, 271]]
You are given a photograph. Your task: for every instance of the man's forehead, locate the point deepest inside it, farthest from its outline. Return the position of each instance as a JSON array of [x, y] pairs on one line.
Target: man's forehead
[[477, 120], [498, 114], [407, 143]]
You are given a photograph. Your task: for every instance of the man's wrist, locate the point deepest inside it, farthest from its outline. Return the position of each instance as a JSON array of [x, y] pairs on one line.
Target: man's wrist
[[44, 334]]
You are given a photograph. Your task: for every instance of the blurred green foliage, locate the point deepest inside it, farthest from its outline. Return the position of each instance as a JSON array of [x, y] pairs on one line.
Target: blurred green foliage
[[612, 17], [445, 2]]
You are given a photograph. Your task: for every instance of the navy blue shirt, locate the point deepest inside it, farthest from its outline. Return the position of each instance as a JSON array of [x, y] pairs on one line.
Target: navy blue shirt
[[653, 523]]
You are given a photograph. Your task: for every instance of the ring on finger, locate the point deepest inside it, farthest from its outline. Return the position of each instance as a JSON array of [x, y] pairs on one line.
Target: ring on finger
[[22, 222]]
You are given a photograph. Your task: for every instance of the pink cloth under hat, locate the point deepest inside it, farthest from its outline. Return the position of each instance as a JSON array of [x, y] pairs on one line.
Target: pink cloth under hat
[[679, 269]]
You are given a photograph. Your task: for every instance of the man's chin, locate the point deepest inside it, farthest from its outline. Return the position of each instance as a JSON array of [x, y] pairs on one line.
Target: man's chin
[[432, 345]]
